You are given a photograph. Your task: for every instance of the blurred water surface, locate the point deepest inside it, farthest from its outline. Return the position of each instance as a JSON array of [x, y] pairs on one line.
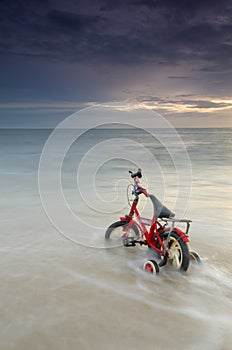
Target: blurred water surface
[[58, 294]]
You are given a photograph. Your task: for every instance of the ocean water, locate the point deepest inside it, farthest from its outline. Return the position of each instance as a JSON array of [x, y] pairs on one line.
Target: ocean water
[[62, 288]]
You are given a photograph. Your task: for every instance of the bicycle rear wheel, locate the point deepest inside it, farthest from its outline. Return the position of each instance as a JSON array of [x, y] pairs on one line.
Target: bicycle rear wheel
[[177, 253]]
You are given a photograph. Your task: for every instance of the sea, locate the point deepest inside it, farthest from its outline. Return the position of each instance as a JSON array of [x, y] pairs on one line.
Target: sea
[[63, 287]]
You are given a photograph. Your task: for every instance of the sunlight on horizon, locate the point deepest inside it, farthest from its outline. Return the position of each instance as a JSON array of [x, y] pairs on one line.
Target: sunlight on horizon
[[195, 112]]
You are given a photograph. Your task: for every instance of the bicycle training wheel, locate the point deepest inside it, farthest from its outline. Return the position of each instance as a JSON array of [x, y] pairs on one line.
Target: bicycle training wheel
[[151, 266], [130, 196], [119, 231], [194, 257]]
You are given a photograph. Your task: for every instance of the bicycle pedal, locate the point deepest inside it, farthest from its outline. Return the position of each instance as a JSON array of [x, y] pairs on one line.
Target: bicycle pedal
[[129, 242]]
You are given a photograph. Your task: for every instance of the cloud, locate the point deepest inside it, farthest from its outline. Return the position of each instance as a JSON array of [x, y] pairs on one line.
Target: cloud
[[123, 31], [164, 106], [207, 104], [68, 21], [182, 104], [182, 77], [214, 69]]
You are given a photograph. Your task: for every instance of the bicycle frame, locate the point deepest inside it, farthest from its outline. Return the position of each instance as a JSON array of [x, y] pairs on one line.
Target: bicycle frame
[[152, 238]]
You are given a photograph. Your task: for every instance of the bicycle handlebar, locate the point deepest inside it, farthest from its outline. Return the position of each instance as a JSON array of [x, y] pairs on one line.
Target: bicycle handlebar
[[138, 174], [138, 189]]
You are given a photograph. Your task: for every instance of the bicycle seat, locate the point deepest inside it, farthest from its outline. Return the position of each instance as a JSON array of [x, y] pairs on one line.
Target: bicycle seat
[[160, 211]]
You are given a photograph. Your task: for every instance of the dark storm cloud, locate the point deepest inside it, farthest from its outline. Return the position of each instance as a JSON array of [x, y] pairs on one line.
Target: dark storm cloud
[[67, 21], [183, 10], [123, 31]]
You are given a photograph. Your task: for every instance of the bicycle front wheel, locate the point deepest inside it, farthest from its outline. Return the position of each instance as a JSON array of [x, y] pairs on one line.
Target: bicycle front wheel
[[120, 230], [130, 196]]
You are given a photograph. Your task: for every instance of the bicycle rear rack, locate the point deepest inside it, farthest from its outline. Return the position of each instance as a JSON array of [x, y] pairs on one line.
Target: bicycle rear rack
[[173, 221]]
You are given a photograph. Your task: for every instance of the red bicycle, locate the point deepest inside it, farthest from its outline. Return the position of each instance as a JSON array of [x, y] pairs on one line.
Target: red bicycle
[[159, 233]]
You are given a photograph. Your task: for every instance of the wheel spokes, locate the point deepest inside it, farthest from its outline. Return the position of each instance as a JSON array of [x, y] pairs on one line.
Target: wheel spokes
[[122, 232], [174, 254], [176, 261]]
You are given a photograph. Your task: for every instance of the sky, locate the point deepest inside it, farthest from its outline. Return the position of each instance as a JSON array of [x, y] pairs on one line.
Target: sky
[[171, 56]]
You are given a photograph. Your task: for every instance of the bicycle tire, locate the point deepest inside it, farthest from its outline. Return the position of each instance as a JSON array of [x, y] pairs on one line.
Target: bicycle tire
[[178, 252], [151, 267], [134, 231], [130, 198]]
